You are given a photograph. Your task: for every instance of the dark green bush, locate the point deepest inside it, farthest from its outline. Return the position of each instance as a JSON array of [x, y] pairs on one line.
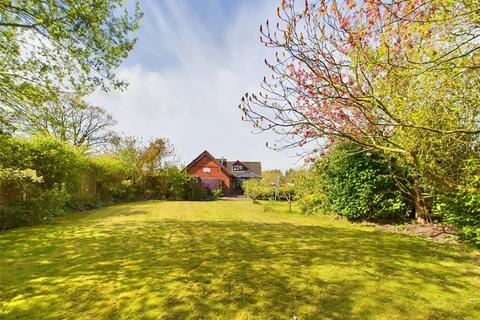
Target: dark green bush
[[461, 208], [32, 170], [173, 184], [361, 187], [110, 175], [195, 191], [56, 162], [123, 191], [43, 206]]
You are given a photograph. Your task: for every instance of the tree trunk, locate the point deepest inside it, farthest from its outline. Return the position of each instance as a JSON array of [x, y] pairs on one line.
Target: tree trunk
[[422, 214], [421, 210]]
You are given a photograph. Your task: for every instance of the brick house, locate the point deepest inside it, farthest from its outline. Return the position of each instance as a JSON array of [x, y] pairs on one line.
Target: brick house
[[214, 172]]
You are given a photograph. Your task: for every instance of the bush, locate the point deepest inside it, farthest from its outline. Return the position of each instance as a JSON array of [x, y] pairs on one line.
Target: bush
[[195, 190], [461, 208], [42, 207], [309, 193], [286, 191], [124, 191], [111, 179], [173, 184], [56, 162], [179, 184], [256, 190], [217, 193], [361, 186]]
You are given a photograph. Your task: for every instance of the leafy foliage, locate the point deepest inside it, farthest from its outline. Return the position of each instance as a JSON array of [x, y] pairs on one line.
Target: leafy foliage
[[41, 177], [265, 189], [68, 119], [217, 193], [361, 187], [256, 190], [50, 47], [461, 208], [56, 162], [42, 206], [364, 71], [309, 192]]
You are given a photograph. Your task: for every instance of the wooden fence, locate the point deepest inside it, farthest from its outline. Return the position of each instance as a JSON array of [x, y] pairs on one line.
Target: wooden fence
[[13, 194]]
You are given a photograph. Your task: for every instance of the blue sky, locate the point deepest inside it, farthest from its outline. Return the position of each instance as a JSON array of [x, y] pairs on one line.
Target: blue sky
[[193, 61]]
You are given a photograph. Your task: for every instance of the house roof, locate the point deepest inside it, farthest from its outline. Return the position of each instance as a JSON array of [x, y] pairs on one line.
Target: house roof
[[248, 174], [254, 168], [210, 156]]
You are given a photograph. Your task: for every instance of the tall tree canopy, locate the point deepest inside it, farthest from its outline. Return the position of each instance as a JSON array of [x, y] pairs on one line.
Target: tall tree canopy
[[397, 76], [69, 119], [140, 157], [47, 47]]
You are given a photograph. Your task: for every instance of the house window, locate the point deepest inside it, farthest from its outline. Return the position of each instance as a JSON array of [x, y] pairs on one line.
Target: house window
[[207, 170], [238, 167]]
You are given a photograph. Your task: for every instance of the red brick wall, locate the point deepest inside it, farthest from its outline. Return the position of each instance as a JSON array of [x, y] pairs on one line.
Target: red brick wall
[[216, 172]]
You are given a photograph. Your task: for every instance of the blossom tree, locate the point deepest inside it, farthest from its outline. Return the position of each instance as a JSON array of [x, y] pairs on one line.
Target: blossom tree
[[397, 76]]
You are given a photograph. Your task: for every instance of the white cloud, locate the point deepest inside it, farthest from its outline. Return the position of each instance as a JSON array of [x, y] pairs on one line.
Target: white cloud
[[194, 101]]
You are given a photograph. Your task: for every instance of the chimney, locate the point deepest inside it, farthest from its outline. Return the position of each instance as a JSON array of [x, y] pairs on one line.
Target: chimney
[[224, 162]]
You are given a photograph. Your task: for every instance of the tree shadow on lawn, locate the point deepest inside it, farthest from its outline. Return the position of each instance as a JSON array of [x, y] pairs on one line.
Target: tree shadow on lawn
[[175, 269]]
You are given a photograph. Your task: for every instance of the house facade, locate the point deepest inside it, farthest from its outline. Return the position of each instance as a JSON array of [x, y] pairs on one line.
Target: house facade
[[229, 175]]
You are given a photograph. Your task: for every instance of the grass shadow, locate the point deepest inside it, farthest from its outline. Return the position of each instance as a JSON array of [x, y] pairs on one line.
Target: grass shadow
[[176, 269]]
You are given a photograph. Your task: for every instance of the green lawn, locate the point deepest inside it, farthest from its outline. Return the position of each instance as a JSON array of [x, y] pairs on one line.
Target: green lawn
[[228, 260]]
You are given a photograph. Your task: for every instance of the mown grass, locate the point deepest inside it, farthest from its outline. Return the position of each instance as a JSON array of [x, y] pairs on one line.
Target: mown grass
[[228, 260]]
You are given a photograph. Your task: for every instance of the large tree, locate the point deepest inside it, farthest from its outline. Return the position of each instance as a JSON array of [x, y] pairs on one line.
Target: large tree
[[48, 47], [142, 158], [400, 76], [70, 120]]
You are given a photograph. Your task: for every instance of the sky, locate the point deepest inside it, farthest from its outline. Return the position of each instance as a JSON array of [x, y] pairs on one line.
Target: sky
[[193, 61]]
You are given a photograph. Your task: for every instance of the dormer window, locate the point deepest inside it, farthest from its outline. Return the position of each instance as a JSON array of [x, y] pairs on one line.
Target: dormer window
[[238, 167]]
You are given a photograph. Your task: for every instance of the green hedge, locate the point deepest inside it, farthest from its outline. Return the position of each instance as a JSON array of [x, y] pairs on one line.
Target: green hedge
[[259, 189], [361, 187], [47, 175], [461, 207]]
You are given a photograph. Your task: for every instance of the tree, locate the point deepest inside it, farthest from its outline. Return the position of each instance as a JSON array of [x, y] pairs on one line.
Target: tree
[[364, 72], [50, 47], [69, 120], [270, 177], [140, 159]]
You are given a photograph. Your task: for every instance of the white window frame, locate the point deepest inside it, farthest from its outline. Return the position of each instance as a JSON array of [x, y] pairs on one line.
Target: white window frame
[[238, 167]]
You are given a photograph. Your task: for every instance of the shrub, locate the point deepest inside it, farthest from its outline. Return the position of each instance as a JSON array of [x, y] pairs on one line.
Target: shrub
[[110, 175], [461, 208], [309, 193], [173, 184], [361, 186], [43, 206], [56, 162], [179, 184], [196, 191], [286, 191], [124, 191], [256, 190], [217, 193]]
